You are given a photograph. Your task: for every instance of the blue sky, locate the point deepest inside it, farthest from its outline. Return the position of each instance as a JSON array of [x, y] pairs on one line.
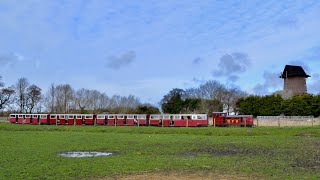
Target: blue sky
[[146, 48]]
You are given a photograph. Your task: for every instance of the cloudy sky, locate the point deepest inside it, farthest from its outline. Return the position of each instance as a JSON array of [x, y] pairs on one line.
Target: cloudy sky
[[146, 48]]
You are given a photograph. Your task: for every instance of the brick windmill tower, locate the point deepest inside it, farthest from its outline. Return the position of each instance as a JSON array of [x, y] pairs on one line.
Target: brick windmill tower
[[294, 80]]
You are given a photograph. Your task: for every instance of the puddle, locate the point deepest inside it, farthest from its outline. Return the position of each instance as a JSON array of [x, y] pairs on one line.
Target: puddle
[[82, 154]]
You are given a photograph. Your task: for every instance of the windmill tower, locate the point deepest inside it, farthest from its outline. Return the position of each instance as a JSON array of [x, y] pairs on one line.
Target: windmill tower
[[294, 80]]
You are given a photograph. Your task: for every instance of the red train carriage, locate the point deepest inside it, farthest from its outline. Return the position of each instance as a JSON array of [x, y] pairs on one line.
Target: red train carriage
[[167, 120], [221, 119], [13, 118], [155, 119], [198, 120], [180, 120], [62, 119], [70, 119], [35, 119], [27, 119], [120, 120], [53, 119], [142, 119], [111, 120], [44, 118], [20, 119], [130, 119], [79, 119], [101, 119], [89, 119]]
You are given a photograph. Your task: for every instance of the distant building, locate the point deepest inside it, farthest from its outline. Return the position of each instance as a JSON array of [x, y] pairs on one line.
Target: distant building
[[294, 80]]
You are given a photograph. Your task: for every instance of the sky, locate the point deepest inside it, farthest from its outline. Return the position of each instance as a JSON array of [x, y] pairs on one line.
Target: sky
[[146, 48]]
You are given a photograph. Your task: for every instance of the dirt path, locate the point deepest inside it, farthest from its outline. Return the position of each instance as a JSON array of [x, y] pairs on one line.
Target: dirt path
[[179, 176]]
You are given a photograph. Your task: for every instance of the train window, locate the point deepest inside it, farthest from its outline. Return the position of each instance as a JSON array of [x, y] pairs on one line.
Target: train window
[[120, 117], [201, 117], [35, 116], [61, 116], [141, 117], [130, 117], [13, 115], [70, 117], [177, 117], [100, 116], [111, 117], [88, 117], [79, 116], [166, 117], [53, 116], [154, 117], [28, 116], [43, 116], [20, 116]]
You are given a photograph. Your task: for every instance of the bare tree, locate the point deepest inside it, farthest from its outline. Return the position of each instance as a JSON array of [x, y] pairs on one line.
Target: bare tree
[[49, 100], [230, 97], [64, 97], [6, 95], [21, 89], [33, 97]]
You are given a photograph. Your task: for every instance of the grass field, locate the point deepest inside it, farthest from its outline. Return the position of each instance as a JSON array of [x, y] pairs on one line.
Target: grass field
[[30, 151]]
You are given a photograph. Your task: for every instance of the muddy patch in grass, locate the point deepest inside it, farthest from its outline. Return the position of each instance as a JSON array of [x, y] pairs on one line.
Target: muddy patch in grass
[[228, 150]]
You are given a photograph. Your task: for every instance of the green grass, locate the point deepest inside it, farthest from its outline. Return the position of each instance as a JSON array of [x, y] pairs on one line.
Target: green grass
[[30, 151]]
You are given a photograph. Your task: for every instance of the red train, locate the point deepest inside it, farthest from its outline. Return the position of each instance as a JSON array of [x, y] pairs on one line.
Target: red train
[[222, 119], [164, 120]]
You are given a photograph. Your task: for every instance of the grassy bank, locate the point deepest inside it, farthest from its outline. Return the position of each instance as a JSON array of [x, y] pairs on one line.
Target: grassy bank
[[29, 151]]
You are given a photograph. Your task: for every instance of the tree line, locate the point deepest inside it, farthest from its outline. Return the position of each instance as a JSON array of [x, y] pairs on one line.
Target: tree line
[[209, 97], [24, 97], [275, 105]]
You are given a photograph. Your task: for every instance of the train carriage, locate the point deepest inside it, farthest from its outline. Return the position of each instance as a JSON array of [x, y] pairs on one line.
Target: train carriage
[[34, 119], [197, 120], [130, 119], [88, 119], [167, 120], [180, 120], [142, 119], [120, 119], [53, 119], [79, 119], [62, 119], [70, 119], [13, 118], [21, 118], [101, 119], [111, 120], [155, 119], [43, 118]]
